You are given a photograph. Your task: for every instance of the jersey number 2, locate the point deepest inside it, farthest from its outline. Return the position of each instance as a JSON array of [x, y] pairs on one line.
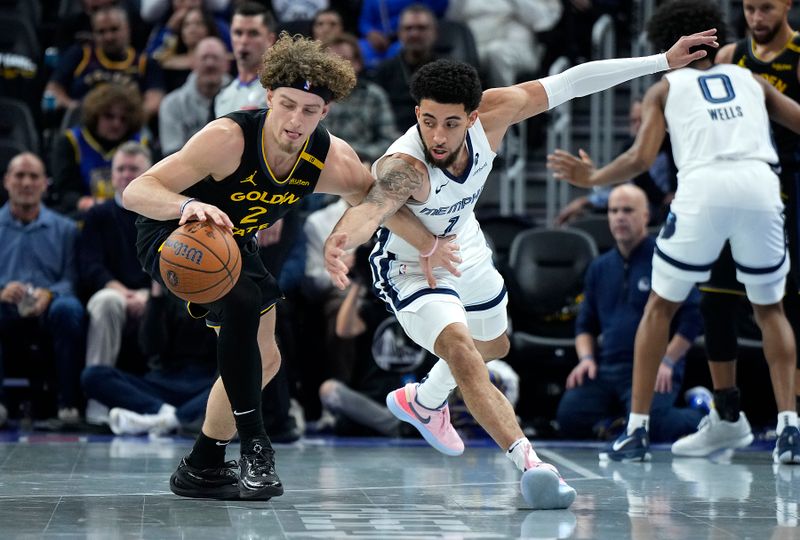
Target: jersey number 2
[[716, 88]]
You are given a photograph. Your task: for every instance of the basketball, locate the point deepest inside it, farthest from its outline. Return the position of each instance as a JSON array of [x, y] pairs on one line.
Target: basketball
[[200, 262]]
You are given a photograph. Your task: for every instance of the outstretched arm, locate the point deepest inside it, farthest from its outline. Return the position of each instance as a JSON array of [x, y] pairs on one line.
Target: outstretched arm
[[502, 107], [581, 172], [782, 109]]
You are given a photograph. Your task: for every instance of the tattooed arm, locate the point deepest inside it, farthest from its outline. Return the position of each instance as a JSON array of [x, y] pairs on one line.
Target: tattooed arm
[[399, 177]]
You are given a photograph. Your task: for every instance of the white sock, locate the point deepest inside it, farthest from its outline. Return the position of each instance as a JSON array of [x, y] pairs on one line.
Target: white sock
[[436, 388], [635, 421], [520, 452], [786, 419]]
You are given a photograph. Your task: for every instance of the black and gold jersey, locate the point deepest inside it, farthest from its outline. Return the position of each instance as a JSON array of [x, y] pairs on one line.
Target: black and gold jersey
[[780, 72], [253, 197]]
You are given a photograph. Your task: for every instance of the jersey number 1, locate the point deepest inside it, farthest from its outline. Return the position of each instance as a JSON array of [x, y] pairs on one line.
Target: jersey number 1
[[453, 221]]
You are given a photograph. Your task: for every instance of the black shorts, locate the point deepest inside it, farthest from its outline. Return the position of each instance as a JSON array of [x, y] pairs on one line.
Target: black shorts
[[152, 234]]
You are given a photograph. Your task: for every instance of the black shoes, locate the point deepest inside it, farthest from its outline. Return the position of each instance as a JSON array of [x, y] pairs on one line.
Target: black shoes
[[257, 477], [215, 483]]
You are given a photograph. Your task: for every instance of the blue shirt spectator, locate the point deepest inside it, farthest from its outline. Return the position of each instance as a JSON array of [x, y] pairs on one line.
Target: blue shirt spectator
[[378, 24], [37, 275], [616, 290]]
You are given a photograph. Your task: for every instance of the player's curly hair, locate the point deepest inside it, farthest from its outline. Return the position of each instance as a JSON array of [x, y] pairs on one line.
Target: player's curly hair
[[446, 81], [294, 58], [678, 18]]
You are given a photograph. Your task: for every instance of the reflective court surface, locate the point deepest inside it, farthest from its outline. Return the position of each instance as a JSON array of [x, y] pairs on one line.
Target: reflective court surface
[[73, 487]]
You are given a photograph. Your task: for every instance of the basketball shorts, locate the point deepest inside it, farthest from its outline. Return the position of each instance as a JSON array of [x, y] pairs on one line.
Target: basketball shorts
[[477, 298], [693, 237], [149, 243]]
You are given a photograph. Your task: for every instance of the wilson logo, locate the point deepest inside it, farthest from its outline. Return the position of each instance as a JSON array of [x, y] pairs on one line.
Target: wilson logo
[[180, 249]]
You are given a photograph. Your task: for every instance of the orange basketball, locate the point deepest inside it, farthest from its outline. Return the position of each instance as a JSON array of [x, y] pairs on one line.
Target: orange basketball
[[200, 262]]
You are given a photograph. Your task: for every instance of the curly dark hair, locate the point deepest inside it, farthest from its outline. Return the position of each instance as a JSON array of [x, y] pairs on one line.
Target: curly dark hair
[[294, 58], [100, 100], [446, 81], [678, 18]]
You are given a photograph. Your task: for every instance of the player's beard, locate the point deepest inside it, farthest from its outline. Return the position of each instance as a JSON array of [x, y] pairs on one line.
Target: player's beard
[[442, 163], [769, 36]]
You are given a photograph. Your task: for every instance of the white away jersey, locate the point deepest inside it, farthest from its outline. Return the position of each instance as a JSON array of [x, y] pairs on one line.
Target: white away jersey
[[451, 202], [718, 114]]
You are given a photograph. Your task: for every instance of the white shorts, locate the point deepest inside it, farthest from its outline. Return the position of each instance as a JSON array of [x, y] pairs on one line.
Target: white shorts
[[477, 299], [692, 239]]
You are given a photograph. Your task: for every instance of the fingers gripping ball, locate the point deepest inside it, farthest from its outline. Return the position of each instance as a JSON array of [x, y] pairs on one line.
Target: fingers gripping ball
[[200, 262]]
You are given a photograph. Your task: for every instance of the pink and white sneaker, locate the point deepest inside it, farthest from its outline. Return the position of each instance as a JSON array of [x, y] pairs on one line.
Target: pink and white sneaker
[[543, 488], [433, 424]]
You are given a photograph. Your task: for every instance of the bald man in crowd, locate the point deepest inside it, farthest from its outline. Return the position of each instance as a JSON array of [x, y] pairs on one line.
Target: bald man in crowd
[[616, 288]]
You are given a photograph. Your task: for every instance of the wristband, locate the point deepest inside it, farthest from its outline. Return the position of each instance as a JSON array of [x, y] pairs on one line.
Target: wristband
[[185, 203], [435, 245], [669, 362], [586, 357]]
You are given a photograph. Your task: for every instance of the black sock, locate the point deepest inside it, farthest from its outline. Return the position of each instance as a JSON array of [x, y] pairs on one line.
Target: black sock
[[207, 453], [239, 357], [262, 441], [728, 403]]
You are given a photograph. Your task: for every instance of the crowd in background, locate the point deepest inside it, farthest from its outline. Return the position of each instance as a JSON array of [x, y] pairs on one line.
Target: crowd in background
[[109, 87]]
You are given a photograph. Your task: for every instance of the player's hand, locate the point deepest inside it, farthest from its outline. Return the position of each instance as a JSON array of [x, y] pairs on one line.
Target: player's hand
[[335, 259], [678, 55], [446, 255], [585, 368], [664, 379], [200, 211], [573, 169], [271, 235]]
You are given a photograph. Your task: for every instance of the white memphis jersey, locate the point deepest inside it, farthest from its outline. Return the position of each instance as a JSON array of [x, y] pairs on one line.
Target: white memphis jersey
[[718, 114], [450, 207]]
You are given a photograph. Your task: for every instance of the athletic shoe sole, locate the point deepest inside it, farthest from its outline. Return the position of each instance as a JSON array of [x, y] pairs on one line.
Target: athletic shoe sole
[[226, 493], [540, 489], [742, 442], [401, 414], [263, 494]]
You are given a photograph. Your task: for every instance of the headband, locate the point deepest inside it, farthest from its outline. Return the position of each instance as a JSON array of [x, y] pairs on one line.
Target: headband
[[305, 85]]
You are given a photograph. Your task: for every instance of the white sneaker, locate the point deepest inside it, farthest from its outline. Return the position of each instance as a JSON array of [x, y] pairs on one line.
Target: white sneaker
[[125, 422], [714, 434]]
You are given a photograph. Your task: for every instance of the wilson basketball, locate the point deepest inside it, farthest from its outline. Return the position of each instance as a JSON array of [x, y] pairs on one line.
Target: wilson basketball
[[200, 262]]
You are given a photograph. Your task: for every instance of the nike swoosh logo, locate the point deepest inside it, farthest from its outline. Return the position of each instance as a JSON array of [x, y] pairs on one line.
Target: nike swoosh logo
[[237, 413], [220, 443], [425, 420], [619, 444], [438, 189]]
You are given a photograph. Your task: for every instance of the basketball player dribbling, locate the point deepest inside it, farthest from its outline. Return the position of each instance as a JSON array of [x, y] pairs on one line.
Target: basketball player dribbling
[[437, 170], [243, 172]]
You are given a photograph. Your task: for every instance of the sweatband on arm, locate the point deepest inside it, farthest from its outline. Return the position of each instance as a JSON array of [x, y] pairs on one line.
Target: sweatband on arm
[[599, 75]]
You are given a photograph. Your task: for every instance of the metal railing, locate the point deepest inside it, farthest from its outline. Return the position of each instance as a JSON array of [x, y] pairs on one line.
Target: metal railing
[[602, 104], [512, 177], [559, 135], [642, 11]]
